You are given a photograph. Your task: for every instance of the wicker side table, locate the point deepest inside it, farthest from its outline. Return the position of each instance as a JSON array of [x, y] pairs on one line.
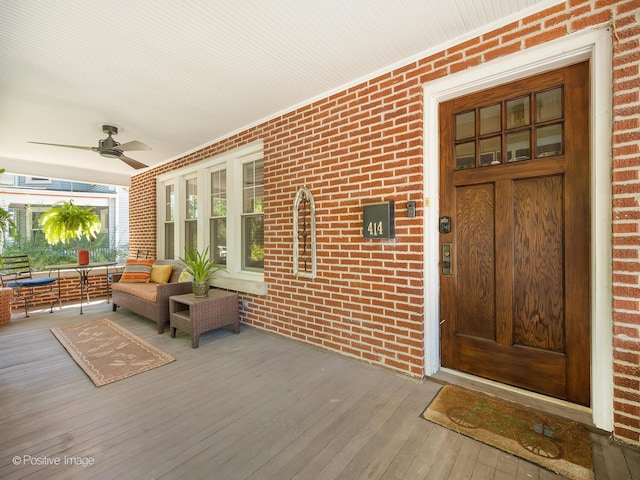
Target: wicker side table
[[196, 315]]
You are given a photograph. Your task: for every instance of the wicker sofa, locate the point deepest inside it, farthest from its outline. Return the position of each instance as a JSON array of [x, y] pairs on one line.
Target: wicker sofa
[[150, 300]]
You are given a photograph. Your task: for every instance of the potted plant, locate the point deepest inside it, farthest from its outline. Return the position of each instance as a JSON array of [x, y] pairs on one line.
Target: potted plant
[[65, 221], [201, 267]]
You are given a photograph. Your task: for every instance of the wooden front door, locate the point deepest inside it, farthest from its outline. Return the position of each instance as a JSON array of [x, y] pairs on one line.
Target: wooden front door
[[515, 234]]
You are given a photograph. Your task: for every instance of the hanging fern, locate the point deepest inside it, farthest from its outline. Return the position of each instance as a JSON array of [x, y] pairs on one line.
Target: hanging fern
[[65, 222]]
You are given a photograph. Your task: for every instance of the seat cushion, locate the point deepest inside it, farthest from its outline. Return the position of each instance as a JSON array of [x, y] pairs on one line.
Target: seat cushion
[[144, 291], [32, 282]]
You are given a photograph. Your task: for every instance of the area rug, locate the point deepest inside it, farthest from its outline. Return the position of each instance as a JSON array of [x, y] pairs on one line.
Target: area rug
[[107, 352], [561, 446]]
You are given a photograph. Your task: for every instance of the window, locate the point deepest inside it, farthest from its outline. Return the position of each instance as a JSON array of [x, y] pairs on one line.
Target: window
[[103, 213], [191, 214], [523, 128], [253, 215], [169, 215], [35, 229], [218, 203], [218, 219]]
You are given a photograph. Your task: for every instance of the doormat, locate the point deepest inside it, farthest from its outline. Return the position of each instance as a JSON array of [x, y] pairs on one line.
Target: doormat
[[107, 352], [561, 446]]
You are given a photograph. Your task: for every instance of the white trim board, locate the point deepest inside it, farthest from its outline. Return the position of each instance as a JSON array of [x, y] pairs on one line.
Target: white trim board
[[594, 45]]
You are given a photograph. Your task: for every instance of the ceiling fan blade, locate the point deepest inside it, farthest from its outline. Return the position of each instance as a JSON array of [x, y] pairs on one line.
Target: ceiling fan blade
[[133, 145], [66, 146], [132, 163]]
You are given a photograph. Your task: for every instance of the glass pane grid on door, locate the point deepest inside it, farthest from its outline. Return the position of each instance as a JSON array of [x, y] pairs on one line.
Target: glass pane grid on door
[[527, 127]]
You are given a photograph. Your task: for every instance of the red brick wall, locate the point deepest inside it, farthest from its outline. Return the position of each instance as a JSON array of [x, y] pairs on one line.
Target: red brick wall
[[626, 212], [365, 144]]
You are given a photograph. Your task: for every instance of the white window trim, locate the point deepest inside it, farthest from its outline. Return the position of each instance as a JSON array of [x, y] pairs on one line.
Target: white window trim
[[234, 278]]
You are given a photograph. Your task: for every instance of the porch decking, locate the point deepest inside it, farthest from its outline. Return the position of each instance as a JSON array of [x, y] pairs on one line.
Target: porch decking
[[248, 406]]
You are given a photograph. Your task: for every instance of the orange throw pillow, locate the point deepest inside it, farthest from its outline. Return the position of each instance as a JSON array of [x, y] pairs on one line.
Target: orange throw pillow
[[137, 270]]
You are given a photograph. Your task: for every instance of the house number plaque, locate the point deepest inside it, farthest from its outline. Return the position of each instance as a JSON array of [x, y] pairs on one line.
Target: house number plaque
[[378, 220]]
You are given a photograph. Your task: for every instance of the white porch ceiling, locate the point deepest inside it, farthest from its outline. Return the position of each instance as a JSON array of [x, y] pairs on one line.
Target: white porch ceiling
[[178, 75]]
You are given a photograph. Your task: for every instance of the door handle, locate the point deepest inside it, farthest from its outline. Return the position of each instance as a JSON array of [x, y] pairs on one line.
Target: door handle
[[446, 259]]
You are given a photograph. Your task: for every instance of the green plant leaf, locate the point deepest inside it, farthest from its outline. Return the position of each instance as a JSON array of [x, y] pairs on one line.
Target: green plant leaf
[[199, 265]]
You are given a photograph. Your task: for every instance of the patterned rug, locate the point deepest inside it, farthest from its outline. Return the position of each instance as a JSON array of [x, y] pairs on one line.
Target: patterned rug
[[558, 445], [107, 352]]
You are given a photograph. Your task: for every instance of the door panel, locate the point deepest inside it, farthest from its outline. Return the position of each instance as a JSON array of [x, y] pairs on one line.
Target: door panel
[[515, 181], [475, 206], [529, 368], [538, 319]]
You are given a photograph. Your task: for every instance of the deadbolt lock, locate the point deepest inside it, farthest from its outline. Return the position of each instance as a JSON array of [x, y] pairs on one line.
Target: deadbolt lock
[[444, 225]]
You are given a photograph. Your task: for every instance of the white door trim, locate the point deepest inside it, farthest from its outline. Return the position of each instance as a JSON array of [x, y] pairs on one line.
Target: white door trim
[[596, 46]]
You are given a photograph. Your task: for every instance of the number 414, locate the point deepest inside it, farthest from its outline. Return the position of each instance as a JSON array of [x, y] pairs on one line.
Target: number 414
[[375, 229]]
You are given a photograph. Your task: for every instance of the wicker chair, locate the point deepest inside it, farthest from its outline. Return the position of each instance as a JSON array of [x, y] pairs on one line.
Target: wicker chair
[[15, 273]]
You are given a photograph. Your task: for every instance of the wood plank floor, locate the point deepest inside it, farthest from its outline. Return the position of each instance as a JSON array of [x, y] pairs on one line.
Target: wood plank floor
[[248, 406]]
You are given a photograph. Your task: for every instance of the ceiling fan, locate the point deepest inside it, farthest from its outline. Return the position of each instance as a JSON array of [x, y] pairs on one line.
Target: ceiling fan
[[109, 148]]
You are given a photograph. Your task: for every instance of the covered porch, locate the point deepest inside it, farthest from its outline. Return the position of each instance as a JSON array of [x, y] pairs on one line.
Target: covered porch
[[253, 405]]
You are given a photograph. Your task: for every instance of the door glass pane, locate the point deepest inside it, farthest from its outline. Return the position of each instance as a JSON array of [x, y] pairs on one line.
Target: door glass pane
[[465, 125], [465, 155], [549, 141], [549, 105], [490, 151], [518, 112], [490, 119], [518, 146]]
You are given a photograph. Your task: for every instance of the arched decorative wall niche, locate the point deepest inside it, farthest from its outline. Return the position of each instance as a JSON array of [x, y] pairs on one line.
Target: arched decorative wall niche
[[304, 235]]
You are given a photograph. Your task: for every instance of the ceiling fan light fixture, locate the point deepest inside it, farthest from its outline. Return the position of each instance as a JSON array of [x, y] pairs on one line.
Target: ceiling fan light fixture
[[109, 148], [110, 153], [107, 143]]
